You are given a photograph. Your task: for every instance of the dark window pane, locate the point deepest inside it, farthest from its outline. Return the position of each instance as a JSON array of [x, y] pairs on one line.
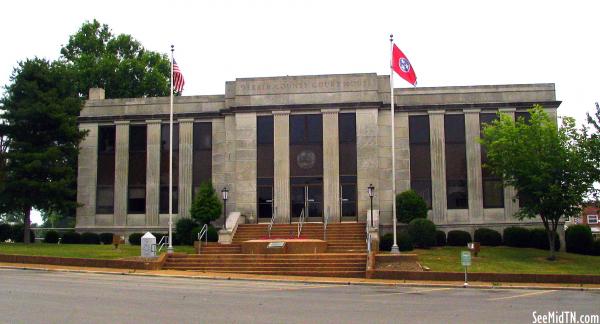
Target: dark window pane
[[105, 199], [347, 144], [264, 147], [456, 162], [523, 115], [264, 130], [347, 128], [137, 169], [306, 154], [457, 194], [423, 188], [202, 154], [314, 128], [106, 139], [493, 194], [418, 127], [202, 136], [454, 128], [420, 156], [297, 129], [105, 178], [164, 200]]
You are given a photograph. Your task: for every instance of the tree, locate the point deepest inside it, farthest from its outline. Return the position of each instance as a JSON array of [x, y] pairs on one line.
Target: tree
[[551, 167], [206, 206], [40, 121], [119, 64], [409, 206]]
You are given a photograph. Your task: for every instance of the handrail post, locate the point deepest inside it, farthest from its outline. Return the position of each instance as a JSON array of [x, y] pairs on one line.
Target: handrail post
[[203, 233]]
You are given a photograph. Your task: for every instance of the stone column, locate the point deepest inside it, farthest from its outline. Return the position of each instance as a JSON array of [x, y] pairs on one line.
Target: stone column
[[153, 171], [230, 158], [281, 152], [331, 165], [511, 202], [367, 164], [184, 188], [121, 172], [474, 182], [245, 165], [218, 153], [438, 166], [87, 170]]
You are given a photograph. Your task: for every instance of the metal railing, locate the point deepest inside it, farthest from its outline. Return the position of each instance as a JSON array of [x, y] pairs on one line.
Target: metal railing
[[301, 222], [270, 227], [325, 221], [163, 241], [203, 233]]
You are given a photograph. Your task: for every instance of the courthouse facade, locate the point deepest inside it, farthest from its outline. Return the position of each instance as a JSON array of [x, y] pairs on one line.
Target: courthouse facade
[[286, 144]]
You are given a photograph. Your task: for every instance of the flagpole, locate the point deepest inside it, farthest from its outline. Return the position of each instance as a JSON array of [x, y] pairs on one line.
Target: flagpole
[[170, 248], [395, 248]]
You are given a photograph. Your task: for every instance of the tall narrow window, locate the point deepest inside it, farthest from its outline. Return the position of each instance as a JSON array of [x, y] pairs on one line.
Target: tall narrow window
[[202, 156], [164, 168], [348, 189], [456, 162], [137, 170], [105, 182], [525, 116], [420, 156], [264, 166], [493, 190]]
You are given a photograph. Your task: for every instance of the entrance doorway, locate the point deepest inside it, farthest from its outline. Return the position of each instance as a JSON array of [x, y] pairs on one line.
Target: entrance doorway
[[348, 202], [307, 197]]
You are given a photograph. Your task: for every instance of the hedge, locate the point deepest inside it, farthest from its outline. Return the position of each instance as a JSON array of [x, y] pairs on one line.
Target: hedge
[[579, 239], [440, 238], [458, 238], [51, 237], [17, 231], [516, 237], [422, 232], [106, 238], [5, 232], [538, 239], [71, 238], [90, 238], [488, 237], [596, 248], [135, 238], [403, 239]]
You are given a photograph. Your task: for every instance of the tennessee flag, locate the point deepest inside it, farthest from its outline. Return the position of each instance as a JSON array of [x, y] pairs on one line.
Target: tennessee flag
[[402, 66]]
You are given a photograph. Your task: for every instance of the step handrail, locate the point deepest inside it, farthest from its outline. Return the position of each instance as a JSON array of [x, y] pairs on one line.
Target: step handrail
[[164, 240], [203, 233], [325, 221], [270, 227], [301, 222]]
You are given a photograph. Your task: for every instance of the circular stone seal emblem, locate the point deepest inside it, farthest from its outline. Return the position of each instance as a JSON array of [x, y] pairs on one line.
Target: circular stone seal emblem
[[306, 159], [404, 64]]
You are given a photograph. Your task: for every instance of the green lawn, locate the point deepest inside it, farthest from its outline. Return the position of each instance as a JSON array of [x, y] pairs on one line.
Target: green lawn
[[79, 250], [509, 260]]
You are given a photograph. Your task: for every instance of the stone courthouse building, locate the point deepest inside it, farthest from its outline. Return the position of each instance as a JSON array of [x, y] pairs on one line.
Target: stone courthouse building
[[290, 143]]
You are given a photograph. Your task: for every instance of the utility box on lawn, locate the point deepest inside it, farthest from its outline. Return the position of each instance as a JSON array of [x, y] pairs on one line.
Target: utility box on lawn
[[148, 245]]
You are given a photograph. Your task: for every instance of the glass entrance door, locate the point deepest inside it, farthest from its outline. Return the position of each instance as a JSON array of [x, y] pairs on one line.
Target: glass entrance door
[[265, 203], [348, 202], [307, 197]]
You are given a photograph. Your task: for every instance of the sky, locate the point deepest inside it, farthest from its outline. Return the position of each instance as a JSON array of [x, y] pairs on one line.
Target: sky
[[449, 43]]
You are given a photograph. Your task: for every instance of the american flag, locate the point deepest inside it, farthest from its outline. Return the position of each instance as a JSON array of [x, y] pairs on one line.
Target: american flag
[[178, 81]]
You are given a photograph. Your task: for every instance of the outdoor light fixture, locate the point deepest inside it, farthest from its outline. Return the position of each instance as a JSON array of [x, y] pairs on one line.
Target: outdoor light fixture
[[224, 193], [371, 190]]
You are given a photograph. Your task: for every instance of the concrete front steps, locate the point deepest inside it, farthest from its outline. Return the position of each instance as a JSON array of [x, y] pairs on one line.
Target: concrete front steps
[[320, 265], [341, 237]]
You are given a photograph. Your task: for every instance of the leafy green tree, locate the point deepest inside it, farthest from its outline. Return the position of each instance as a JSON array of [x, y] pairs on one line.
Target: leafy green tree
[[117, 63], [409, 206], [551, 166], [206, 206], [40, 120]]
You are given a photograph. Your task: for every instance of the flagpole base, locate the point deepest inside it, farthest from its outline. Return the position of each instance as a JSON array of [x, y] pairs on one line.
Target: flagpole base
[[395, 249], [170, 250]]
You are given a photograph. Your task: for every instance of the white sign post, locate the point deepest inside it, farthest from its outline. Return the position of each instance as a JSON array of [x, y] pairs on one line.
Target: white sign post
[[465, 260]]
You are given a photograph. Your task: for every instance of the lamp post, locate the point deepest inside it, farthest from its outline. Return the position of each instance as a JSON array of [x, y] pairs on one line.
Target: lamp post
[[371, 190], [224, 193]]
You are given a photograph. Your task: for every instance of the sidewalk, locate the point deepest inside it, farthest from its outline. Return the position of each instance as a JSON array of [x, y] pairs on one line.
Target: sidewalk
[[297, 279]]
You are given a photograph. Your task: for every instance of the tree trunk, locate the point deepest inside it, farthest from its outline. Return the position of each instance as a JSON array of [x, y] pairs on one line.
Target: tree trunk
[[26, 225], [551, 240]]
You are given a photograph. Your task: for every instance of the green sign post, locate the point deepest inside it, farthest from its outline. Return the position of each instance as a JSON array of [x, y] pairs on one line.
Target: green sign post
[[465, 260]]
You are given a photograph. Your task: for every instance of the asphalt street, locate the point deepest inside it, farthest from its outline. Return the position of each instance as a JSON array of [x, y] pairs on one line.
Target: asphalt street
[[30, 296]]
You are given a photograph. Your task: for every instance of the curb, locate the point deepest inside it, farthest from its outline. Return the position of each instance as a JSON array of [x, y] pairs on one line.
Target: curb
[[313, 280]]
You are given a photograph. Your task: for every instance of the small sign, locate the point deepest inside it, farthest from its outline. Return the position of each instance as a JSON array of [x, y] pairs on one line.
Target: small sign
[[276, 245], [465, 258]]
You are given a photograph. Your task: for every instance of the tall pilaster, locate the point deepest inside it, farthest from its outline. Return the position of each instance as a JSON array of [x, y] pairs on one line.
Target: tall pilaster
[[229, 164], [121, 172], [367, 159], [186, 146], [438, 167], [383, 191], [511, 202], [245, 165], [153, 171], [86, 176], [281, 153], [402, 152], [331, 165], [474, 178]]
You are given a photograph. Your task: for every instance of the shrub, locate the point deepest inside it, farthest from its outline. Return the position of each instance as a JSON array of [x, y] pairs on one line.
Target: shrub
[[579, 239], [5, 232], [386, 242], [538, 239], [106, 238], [206, 206], [51, 237], [458, 238], [409, 206], [516, 236], [422, 232], [71, 238], [17, 231], [596, 248], [440, 238], [183, 231], [487, 236], [135, 238], [90, 238]]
